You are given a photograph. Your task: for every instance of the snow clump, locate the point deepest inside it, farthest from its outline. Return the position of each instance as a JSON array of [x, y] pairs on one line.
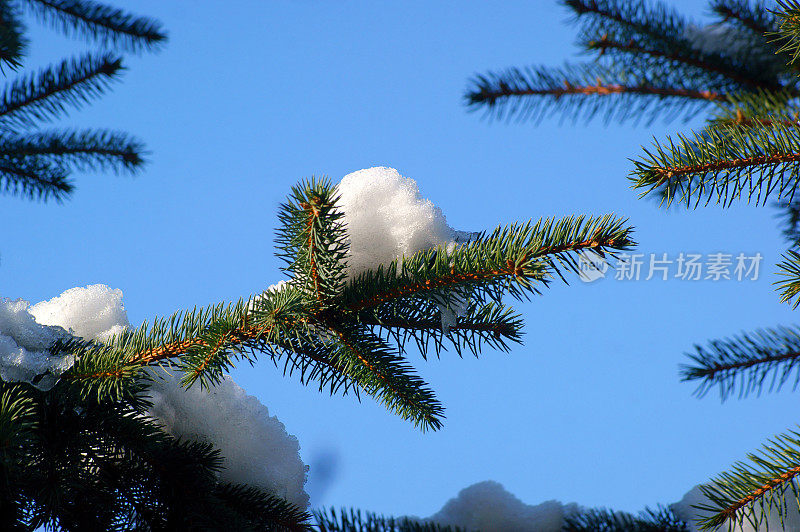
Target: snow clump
[[95, 312], [487, 506], [24, 345], [255, 447], [27, 332], [387, 218]]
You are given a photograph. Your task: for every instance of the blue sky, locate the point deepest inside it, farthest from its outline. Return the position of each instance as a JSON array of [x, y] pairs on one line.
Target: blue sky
[[249, 97]]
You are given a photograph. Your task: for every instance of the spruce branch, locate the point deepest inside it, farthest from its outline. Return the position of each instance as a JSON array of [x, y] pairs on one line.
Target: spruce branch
[[722, 164], [757, 109], [650, 37], [661, 519], [790, 219], [583, 91], [788, 36], [82, 150], [272, 323], [205, 343], [12, 42], [46, 96], [101, 371], [312, 241], [386, 375], [649, 65], [263, 511], [106, 24], [671, 64], [351, 520], [170, 337], [745, 364], [350, 334], [789, 286], [515, 259], [750, 490], [34, 179], [646, 31], [208, 341], [653, 21], [18, 421], [491, 324], [753, 16], [105, 464]]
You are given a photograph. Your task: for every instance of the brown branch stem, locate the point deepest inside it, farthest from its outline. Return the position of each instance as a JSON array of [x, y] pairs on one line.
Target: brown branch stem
[[106, 68], [236, 336], [731, 510], [312, 209], [605, 90], [495, 328], [454, 279], [718, 368], [371, 367], [744, 121], [118, 373], [605, 43], [592, 7], [670, 172]]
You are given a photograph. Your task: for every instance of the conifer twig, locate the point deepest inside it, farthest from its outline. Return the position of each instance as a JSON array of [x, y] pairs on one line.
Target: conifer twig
[[604, 44], [104, 23], [46, 95], [751, 362], [758, 20], [722, 163], [585, 89], [529, 256], [490, 94], [34, 179], [752, 490]]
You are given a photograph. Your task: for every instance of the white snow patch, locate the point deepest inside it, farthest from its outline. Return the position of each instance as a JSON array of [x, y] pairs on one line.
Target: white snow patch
[[256, 448], [277, 287], [24, 345], [387, 218], [95, 312], [695, 497], [27, 332], [488, 507]]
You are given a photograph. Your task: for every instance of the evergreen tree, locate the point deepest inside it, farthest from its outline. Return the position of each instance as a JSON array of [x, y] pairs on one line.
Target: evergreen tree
[[83, 453], [111, 464], [592, 520], [36, 163], [356, 521], [742, 72]]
